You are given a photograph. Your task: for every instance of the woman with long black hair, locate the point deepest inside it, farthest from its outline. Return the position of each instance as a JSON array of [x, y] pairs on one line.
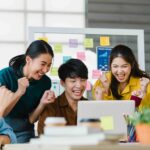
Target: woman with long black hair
[[124, 78], [26, 78]]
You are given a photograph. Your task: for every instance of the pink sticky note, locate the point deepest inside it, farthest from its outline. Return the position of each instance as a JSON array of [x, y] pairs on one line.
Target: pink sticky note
[[81, 55], [96, 74], [88, 86]]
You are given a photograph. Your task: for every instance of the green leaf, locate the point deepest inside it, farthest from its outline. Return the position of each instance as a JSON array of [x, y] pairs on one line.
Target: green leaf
[[142, 116]]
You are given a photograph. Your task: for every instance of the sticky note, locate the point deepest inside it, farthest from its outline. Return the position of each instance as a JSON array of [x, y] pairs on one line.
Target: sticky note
[[104, 41], [81, 56], [54, 71], [88, 43], [107, 122], [55, 87], [88, 86], [66, 58], [96, 74], [43, 38], [58, 48], [73, 43]]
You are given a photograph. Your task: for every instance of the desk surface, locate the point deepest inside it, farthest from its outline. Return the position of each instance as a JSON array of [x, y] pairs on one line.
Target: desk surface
[[101, 146]]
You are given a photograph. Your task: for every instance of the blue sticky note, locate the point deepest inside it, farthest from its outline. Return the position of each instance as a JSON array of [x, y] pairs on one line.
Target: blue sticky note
[[66, 58]]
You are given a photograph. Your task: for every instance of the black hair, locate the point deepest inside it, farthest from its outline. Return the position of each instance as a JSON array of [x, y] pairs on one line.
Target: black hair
[[35, 49], [73, 68], [127, 54]]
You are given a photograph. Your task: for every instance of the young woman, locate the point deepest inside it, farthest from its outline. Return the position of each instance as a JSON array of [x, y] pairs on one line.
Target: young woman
[[26, 78], [124, 79]]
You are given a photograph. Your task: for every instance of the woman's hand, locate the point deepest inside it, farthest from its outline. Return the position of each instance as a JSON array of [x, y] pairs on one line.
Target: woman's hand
[[23, 83], [138, 93], [98, 93], [48, 97], [144, 83], [105, 82], [137, 96], [142, 91]]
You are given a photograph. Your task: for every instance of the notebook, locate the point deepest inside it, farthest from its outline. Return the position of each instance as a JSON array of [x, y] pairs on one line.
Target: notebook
[[110, 112]]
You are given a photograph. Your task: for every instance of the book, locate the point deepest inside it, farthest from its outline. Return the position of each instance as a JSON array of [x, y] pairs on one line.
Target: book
[[91, 139], [70, 130]]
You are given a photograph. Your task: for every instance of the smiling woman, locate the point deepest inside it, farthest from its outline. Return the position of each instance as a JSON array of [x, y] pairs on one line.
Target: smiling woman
[[36, 68], [25, 78], [123, 79]]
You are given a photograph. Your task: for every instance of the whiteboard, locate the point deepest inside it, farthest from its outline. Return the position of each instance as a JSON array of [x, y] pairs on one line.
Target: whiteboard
[[131, 37]]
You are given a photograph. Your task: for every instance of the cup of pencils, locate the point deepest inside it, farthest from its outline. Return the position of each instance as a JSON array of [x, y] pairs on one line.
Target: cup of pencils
[[131, 134]]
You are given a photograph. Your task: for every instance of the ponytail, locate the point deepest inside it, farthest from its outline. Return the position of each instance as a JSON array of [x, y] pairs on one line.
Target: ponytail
[[16, 62]]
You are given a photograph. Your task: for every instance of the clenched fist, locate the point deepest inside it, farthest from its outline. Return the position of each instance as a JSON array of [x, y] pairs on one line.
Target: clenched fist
[[23, 83], [48, 97]]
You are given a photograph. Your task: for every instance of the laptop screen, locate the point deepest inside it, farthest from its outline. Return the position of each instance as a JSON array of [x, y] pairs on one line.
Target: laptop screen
[[110, 112]]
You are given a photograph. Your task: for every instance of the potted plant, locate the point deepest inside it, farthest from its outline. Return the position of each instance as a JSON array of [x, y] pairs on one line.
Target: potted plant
[[141, 121]]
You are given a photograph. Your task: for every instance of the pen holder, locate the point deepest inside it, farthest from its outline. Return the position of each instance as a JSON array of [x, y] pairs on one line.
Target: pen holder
[[131, 134]]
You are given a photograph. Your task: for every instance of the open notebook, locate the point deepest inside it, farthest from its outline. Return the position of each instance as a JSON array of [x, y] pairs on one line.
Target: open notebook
[[110, 113]]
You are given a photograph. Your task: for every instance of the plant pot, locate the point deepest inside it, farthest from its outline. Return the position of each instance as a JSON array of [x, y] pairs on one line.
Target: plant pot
[[143, 133]]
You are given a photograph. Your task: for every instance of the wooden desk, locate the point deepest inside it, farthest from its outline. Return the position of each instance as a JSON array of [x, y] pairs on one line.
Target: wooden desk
[[101, 146]]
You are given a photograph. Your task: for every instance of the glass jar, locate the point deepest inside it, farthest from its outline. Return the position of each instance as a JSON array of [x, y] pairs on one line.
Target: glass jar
[[55, 121], [91, 122]]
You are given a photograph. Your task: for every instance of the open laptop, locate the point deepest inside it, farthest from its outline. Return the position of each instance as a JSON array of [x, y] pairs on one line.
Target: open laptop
[[110, 112]]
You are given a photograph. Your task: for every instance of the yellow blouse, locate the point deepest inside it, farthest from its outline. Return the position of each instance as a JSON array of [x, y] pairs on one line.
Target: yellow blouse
[[134, 84]]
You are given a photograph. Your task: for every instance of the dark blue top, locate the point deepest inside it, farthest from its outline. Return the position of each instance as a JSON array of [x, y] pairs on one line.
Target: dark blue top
[[29, 101]]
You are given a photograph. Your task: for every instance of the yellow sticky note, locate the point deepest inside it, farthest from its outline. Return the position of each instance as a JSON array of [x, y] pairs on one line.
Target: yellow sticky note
[[54, 71], [107, 122], [88, 43], [43, 38], [104, 41], [58, 48]]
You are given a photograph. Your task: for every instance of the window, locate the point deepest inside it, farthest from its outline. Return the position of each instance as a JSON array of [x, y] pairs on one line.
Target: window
[[17, 15]]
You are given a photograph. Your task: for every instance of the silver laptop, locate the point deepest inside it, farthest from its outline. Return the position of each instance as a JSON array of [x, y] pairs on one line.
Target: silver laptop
[[110, 112]]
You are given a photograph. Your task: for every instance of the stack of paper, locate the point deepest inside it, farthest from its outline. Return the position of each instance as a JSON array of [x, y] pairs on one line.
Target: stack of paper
[[70, 135], [91, 139], [70, 130]]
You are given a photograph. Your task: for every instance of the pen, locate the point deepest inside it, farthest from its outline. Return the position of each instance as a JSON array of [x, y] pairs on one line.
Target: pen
[[126, 117]]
